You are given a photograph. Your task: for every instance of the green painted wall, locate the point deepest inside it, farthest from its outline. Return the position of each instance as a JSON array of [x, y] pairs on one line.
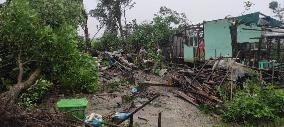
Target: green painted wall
[[188, 53], [217, 39], [246, 35]]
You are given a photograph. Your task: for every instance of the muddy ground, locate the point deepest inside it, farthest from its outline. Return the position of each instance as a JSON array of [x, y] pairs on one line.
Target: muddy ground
[[176, 112]]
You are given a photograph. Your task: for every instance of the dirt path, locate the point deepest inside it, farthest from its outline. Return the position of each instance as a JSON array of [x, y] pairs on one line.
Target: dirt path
[[175, 111]]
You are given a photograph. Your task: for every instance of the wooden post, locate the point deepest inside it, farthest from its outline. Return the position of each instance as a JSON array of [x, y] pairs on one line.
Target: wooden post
[[130, 121], [215, 53], [160, 119], [269, 46], [259, 51], [234, 37], [254, 59], [232, 81], [231, 95], [273, 72], [278, 49]]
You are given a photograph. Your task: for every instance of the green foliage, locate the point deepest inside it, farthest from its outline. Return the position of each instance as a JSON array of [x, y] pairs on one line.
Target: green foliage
[[273, 5], [54, 13], [172, 17], [143, 36], [277, 9], [206, 108], [108, 42], [158, 32], [222, 92], [109, 13], [80, 75], [149, 35], [47, 39], [35, 93], [81, 44], [254, 103]]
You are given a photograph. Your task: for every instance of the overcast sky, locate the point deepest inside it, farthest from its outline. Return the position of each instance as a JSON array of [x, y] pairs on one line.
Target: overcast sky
[[195, 10]]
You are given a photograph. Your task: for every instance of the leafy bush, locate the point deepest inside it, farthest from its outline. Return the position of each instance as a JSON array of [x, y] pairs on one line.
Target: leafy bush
[[108, 42], [49, 40], [149, 36], [207, 109], [35, 93], [254, 103], [157, 33], [88, 74], [81, 75]]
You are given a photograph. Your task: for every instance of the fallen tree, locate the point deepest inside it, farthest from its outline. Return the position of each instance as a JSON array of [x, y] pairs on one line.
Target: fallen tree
[[10, 96]]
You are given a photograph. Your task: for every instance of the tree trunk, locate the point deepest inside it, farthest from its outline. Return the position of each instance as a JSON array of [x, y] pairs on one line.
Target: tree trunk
[[118, 14], [10, 96], [120, 27], [86, 31], [21, 72]]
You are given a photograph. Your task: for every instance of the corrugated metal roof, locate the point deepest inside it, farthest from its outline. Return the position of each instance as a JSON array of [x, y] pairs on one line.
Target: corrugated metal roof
[[255, 18]]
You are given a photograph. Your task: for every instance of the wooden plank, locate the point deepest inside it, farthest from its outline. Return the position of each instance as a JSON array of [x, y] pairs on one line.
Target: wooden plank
[[211, 97], [187, 98]]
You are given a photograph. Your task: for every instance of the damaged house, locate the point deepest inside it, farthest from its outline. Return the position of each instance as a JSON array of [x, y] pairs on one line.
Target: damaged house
[[255, 39]]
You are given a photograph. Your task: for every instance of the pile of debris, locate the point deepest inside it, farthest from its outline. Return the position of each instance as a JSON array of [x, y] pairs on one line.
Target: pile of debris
[[198, 85], [114, 66]]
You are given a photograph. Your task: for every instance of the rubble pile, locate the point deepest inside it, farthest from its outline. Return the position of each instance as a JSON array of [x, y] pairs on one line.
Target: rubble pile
[[115, 66], [195, 84], [198, 85]]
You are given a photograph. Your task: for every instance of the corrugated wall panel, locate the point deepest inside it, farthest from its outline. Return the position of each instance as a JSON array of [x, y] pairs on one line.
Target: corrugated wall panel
[[217, 39], [188, 54], [246, 35]]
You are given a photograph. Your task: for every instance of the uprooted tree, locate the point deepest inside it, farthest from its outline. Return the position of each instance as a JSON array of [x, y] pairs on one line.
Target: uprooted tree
[[38, 39]]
